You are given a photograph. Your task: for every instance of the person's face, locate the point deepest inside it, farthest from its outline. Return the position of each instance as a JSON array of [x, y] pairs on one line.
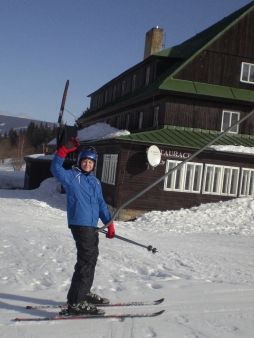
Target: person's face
[[87, 165]]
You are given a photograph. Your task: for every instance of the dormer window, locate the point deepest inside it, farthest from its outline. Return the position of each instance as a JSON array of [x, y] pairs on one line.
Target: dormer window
[[140, 119], [118, 122], [93, 102], [114, 93], [147, 76], [247, 73], [156, 116], [228, 119], [123, 88], [106, 97], [127, 121], [133, 82]]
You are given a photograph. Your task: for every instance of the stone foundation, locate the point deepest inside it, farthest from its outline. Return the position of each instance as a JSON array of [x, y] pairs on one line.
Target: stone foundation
[[127, 214]]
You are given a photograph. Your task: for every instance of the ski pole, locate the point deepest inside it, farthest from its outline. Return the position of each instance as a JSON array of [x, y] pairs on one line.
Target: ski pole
[[149, 247], [175, 168]]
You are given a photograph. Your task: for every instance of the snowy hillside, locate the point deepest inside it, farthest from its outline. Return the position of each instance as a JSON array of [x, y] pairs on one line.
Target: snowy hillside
[[18, 123], [204, 267]]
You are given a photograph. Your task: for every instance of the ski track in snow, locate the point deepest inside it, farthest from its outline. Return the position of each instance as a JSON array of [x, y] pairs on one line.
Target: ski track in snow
[[204, 268]]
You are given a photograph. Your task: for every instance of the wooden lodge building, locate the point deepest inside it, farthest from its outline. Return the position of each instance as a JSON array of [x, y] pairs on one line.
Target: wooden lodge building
[[179, 99]]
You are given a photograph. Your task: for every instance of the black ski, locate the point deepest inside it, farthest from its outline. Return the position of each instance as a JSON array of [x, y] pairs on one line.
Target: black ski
[[125, 315], [62, 306]]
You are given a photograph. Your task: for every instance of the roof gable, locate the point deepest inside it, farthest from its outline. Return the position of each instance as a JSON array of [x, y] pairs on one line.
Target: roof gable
[[193, 45], [191, 48]]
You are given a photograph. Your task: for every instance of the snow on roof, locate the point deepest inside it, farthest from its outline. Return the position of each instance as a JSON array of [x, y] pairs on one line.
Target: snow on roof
[[52, 142], [96, 132], [100, 131], [234, 149]]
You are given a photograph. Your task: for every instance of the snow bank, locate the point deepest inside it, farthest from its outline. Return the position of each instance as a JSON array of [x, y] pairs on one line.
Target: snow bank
[[204, 268]]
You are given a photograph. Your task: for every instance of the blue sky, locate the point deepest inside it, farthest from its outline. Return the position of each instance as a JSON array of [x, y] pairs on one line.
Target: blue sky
[[44, 43]]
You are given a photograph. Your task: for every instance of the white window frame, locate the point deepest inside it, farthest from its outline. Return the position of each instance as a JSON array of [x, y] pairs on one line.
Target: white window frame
[[220, 180], [109, 168], [247, 73], [185, 179], [228, 119], [246, 186], [193, 176]]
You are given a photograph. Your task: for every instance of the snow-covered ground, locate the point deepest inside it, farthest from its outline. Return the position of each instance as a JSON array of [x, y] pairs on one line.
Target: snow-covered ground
[[204, 267]]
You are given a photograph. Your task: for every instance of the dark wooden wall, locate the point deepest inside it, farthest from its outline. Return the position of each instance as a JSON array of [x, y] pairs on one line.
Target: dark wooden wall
[[220, 63], [98, 98], [147, 108], [181, 111], [39, 170], [203, 114], [133, 176]]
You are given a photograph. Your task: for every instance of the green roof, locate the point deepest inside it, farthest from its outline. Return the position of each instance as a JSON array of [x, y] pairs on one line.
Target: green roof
[[188, 137], [205, 89]]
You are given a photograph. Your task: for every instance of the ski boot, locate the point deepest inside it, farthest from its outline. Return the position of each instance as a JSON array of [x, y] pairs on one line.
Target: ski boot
[[96, 299], [81, 309]]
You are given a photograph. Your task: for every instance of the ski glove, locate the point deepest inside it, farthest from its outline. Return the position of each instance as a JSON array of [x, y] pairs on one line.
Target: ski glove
[[71, 145], [111, 231]]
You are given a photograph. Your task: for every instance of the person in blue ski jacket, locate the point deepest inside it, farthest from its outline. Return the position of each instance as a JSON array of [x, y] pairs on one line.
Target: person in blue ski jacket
[[85, 206]]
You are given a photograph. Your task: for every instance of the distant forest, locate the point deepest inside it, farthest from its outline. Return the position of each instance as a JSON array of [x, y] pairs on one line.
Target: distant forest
[[31, 140]]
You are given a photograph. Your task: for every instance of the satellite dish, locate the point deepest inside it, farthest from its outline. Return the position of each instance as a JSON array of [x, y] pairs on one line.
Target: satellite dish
[[154, 156]]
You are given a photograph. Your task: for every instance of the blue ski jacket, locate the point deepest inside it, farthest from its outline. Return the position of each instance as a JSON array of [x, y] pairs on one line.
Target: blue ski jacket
[[85, 203]]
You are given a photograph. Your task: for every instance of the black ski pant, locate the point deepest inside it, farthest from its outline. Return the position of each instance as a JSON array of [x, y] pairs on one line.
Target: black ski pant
[[87, 241]]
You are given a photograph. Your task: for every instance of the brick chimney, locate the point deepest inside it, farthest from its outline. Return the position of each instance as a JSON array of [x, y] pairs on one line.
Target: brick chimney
[[154, 39]]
